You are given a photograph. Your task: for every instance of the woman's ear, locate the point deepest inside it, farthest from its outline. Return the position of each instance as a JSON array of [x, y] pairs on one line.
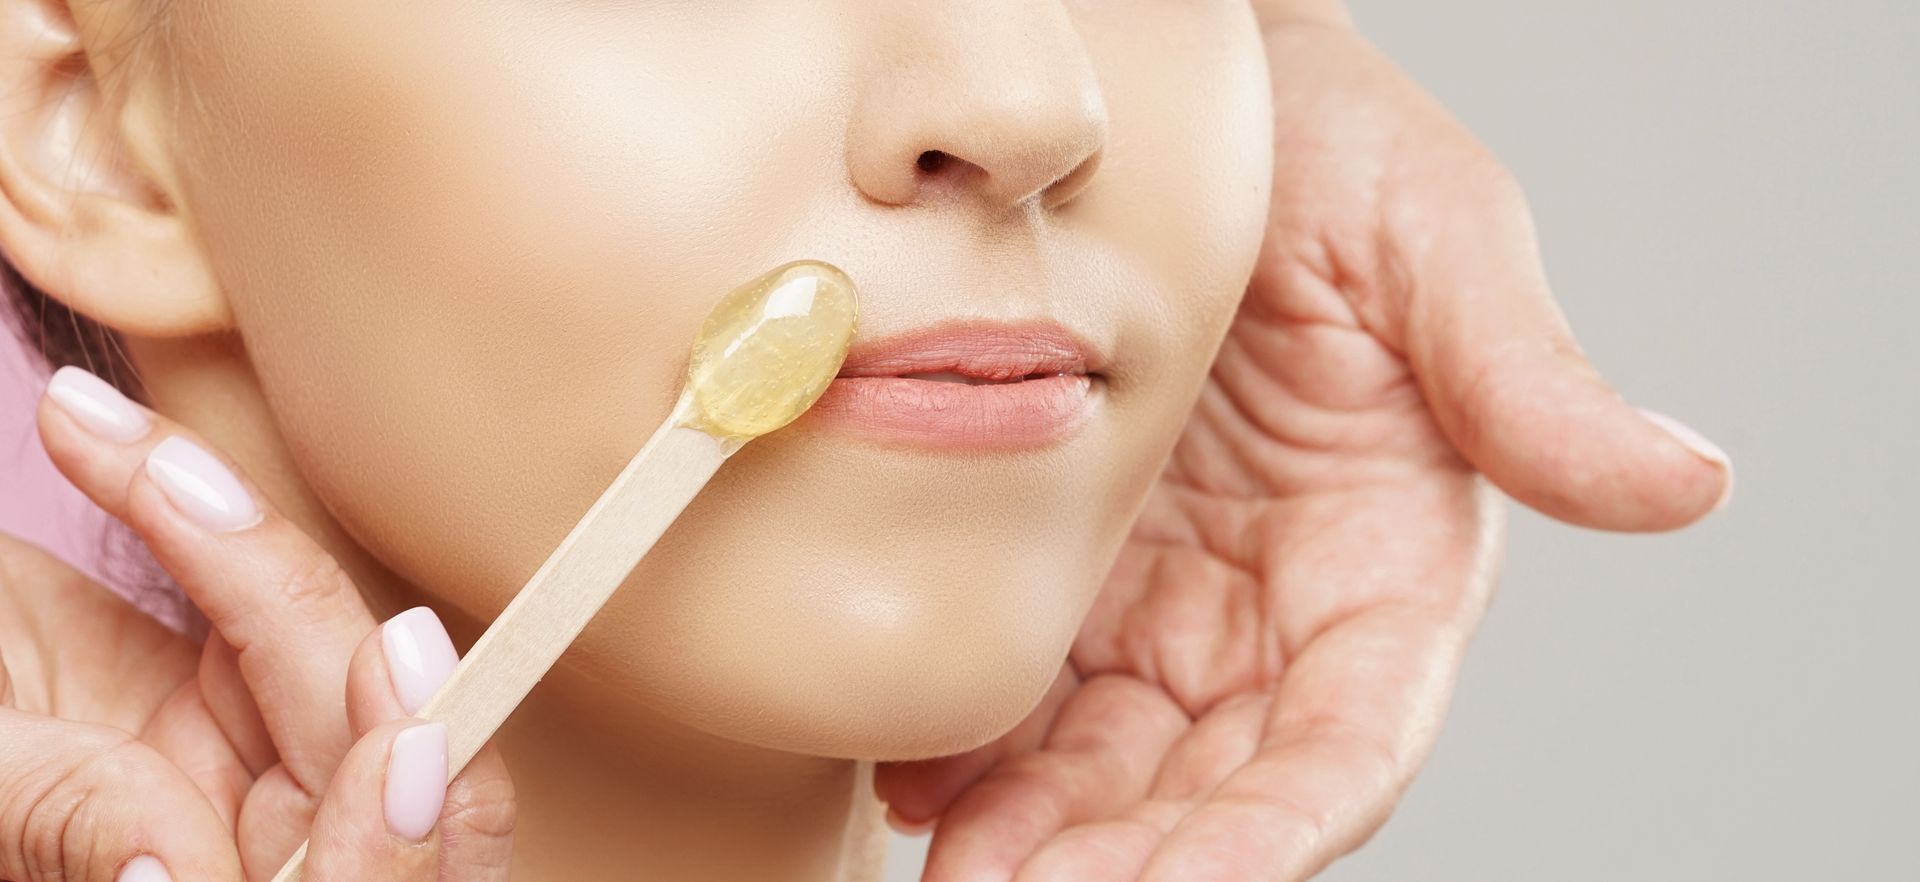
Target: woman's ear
[[88, 213]]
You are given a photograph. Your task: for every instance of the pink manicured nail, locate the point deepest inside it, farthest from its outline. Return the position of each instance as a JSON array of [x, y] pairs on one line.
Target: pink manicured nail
[[1700, 446], [419, 654], [200, 486], [416, 781], [95, 404], [145, 868]]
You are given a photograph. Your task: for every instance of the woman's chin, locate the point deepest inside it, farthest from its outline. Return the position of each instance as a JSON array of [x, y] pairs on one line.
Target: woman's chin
[[817, 679], [893, 712], [894, 641]]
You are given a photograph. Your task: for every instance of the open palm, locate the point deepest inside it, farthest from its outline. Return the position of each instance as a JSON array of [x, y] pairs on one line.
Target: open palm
[[1271, 659]]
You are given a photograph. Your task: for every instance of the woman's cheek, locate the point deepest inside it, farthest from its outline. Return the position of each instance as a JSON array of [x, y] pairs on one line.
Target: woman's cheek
[[466, 328]]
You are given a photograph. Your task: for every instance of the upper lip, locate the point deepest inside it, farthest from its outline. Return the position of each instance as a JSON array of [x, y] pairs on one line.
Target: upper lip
[[977, 350]]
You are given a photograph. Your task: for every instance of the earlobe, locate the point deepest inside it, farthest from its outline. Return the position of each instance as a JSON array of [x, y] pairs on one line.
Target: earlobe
[[82, 215]]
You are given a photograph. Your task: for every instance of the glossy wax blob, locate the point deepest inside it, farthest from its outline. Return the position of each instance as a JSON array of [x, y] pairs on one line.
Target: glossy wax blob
[[769, 349]]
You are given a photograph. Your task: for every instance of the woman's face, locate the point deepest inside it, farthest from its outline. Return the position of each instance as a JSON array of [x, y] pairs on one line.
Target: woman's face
[[467, 247]]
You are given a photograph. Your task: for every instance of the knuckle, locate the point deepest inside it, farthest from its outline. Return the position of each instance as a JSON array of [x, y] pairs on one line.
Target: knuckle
[[57, 815], [483, 805], [315, 582], [1506, 198], [1491, 176], [479, 823], [1459, 181], [1496, 200]]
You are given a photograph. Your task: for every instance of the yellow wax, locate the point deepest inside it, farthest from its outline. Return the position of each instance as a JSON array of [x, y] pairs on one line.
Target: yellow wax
[[769, 349]]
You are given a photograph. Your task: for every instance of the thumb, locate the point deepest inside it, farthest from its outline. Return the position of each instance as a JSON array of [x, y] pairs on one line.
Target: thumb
[[1513, 392]]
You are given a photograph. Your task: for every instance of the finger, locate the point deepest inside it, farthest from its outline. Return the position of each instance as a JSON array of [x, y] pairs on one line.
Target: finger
[[379, 818], [290, 613], [186, 735], [1352, 720], [1118, 848], [88, 803], [1111, 850], [396, 668], [1220, 741], [233, 707], [1099, 759], [376, 692], [918, 792], [477, 825], [1512, 390], [1284, 816], [393, 673]]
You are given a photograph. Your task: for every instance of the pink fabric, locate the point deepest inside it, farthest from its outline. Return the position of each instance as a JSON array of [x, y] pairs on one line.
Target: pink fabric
[[36, 502]]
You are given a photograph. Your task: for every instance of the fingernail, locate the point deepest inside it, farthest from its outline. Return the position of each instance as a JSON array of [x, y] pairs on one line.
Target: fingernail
[[1700, 446], [95, 404], [416, 781], [145, 868], [420, 656], [200, 486], [905, 827]]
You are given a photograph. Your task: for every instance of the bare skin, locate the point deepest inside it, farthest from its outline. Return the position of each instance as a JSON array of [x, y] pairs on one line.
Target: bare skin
[[1271, 660], [1258, 678], [129, 741]]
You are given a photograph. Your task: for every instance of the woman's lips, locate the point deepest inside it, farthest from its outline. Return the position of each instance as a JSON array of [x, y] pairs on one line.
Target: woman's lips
[[977, 385]]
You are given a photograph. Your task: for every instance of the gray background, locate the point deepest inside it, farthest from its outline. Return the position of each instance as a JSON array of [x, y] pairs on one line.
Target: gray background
[[1727, 194]]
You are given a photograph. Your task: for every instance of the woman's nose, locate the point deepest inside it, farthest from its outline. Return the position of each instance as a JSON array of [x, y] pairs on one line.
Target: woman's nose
[[994, 100]]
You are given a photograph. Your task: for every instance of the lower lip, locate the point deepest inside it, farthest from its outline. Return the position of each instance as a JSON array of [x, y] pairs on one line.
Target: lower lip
[[990, 416]]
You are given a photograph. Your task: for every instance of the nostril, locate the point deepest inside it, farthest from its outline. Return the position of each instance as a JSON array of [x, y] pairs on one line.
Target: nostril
[[932, 161]]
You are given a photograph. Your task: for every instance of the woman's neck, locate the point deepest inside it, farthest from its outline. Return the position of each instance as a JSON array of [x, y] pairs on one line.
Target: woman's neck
[[605, 791], [606, 796]]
